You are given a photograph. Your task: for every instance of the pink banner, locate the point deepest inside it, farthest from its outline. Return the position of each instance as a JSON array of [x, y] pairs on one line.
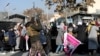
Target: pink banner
[[73, 43]]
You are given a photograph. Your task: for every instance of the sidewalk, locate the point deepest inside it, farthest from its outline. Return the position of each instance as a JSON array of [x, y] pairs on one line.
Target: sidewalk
[[54, 54], [18, 53], [63, 54]]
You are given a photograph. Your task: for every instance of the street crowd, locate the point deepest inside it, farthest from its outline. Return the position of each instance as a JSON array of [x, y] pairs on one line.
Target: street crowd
[[39, 39]]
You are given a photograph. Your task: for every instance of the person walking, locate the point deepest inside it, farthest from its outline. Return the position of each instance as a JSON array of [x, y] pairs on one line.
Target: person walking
[[43, 40], [2, 42], [33, 29], [53, 34], [92, 39], [12, 39], [59, 39], [81, 35], [23, 35], [17, 33]]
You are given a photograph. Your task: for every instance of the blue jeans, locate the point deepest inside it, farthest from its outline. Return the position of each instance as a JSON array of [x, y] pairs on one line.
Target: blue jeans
[[59, 48]]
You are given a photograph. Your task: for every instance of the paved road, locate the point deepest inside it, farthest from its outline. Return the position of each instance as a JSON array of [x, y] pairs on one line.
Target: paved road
[[62, 54], [17, 53], [51, 54]]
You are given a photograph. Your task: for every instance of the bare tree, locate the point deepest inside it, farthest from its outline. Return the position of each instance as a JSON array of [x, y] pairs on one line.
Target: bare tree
[[90, 2], [71, 4], [32, 12]]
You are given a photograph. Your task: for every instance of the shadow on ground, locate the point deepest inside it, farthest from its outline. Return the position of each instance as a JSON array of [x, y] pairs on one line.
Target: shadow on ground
[[18, 54]]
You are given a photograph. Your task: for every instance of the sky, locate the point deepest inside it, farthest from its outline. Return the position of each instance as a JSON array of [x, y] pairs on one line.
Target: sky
[[18, 6]]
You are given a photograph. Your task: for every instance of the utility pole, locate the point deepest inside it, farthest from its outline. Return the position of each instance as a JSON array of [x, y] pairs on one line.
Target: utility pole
[[34, 11], [33, 4], [48, 4], [7, 9]]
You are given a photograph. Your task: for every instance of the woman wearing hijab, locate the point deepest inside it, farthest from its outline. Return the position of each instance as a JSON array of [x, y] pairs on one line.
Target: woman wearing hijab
[[81, 35], [12, 39], [2, 42], [92, 39], [59, 39]]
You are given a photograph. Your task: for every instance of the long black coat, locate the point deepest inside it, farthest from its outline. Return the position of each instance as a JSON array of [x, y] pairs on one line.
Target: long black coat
[[1, 39], [81, 33], [12, 38]]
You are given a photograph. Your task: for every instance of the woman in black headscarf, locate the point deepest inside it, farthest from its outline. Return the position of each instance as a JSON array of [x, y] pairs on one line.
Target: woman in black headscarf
[[81, 35], [2, 40]]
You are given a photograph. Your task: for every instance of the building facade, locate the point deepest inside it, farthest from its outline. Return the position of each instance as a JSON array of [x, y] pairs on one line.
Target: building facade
[[95, 8]]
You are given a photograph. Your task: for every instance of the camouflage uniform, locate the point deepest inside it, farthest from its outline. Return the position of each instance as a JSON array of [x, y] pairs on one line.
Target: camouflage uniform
[[34, 32]]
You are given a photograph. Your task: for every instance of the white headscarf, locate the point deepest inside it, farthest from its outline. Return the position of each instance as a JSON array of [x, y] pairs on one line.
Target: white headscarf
[[61, 25], [79, 23], [17, 25]]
